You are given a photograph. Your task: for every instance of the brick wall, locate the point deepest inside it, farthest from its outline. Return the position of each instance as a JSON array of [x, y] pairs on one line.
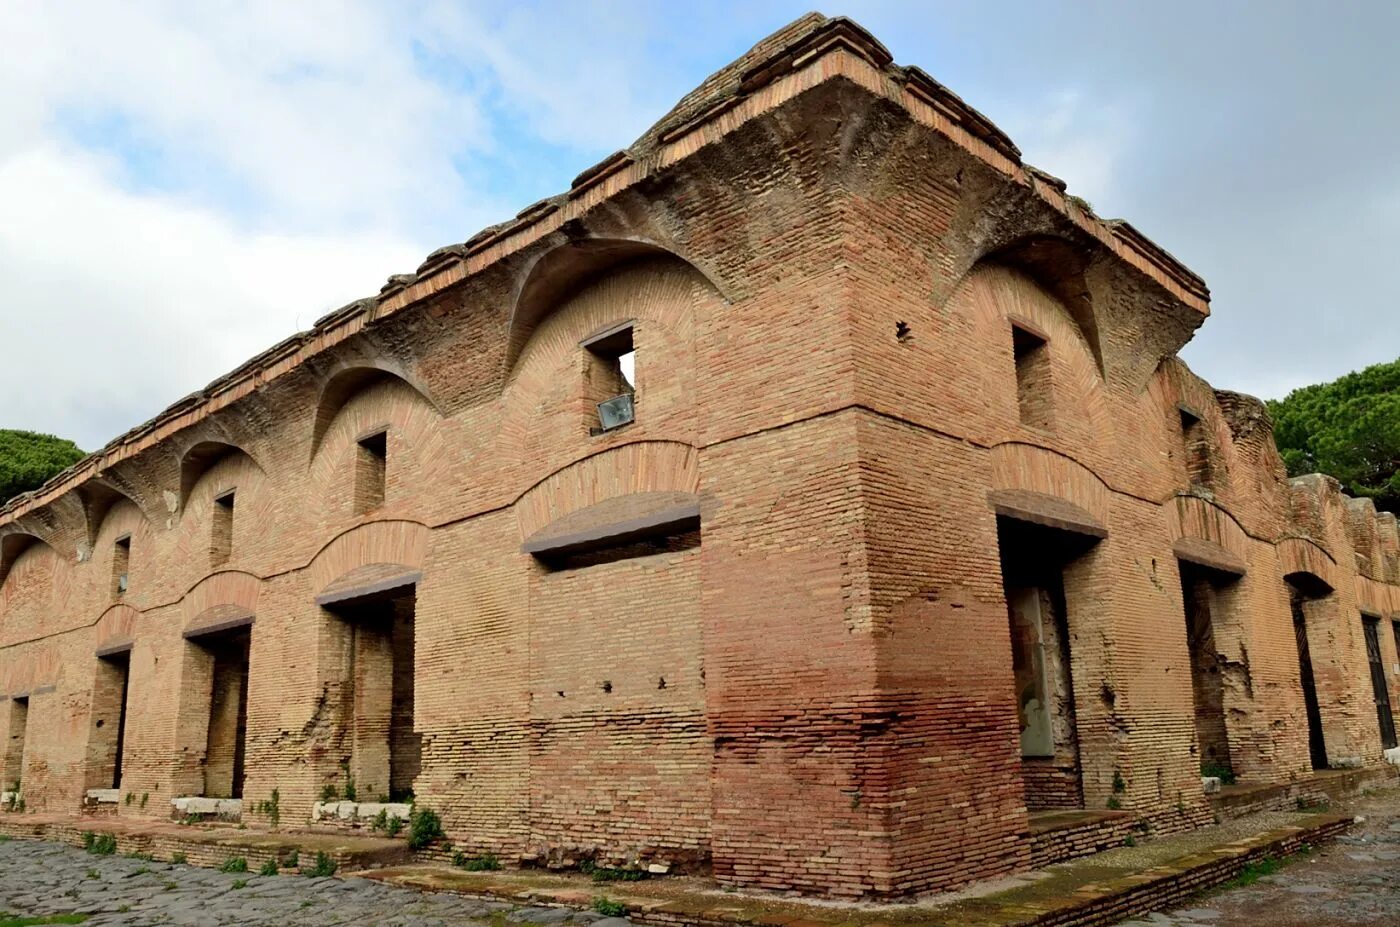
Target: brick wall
[[822, 273]]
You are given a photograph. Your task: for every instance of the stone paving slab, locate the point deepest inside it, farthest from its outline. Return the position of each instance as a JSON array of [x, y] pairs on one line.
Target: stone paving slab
[[42, 878], [1354, 882]]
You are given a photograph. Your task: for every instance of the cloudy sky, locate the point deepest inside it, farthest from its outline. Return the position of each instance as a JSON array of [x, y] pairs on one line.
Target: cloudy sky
[[183, 184]]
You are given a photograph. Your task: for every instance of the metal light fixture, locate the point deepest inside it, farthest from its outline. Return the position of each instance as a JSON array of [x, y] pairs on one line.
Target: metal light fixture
[[616, 412]]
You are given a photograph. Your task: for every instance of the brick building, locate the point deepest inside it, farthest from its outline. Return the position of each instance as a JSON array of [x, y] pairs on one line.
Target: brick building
[[919, 529]]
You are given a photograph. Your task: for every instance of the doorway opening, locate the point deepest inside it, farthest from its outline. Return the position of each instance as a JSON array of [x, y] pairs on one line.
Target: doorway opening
[[216, 680], [1304, 594], [1033, 562], [14, 745], [109, 697], [1378, 684], [1200, 593], [385, 752]]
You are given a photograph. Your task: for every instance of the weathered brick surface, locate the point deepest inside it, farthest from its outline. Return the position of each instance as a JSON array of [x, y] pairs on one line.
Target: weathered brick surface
[[823, 258]]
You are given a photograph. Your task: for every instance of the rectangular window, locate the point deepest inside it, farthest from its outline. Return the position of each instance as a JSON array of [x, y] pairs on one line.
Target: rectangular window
[[221, 529], [1033, 392], [611, 371], [371, 471], [1196, 444], [121, 565]]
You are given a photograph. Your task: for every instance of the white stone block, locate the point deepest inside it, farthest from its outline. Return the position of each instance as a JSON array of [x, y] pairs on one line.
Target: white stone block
[[1392, 756], [104, 796], [1210, 784]]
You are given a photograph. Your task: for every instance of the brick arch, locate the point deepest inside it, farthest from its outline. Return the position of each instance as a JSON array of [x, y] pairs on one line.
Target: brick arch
[[555, 274], [402, 543], [992, 299], [421, 456], [348, 381], [200, 458], [228, 589], [36, 591], [648, 467], [1058, 266], [117, 625], [36, 669], [1026, 468], [12, 546], [1207, 533], [255, 506], [1305, 557], [545, 414]]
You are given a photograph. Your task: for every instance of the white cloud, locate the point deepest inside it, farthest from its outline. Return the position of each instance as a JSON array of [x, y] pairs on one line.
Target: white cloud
[[1082, 143], [115, 305]]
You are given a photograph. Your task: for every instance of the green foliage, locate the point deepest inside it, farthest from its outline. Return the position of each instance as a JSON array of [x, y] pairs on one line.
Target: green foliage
[[324, 868], [130, 796], [1348, 429], [100, 844], [234, 864], [28, 460], [240, 883], [272, 807], [7, 921], [424, 826], [609, 908], [292, 860], [269, 868], [329, 792], [608, 874], [1119, 786], [145, 796], [1225, 774], [178, 859], [486, 862]]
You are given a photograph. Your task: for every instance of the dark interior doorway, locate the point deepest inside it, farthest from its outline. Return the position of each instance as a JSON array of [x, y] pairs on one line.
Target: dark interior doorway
[[1378, 683], [1301, 593], [228, 711], [1033, 561], [385, 750], [109, 700], [1198, 593]]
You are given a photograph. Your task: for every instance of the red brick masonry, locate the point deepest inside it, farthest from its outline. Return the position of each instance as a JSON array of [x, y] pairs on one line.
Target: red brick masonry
[[901, 376]]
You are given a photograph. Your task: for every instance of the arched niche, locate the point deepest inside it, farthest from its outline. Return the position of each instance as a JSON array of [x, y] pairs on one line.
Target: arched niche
[[200, 458], [558, 273], [343, 385], [99, 498], [1058, 266], [11, 547]]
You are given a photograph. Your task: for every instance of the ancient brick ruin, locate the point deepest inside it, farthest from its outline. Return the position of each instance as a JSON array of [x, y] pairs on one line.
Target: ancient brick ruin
[[899, 528]]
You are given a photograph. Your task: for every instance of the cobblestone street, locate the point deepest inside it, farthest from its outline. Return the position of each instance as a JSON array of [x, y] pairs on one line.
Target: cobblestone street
[[47, 878], [1353, 882]]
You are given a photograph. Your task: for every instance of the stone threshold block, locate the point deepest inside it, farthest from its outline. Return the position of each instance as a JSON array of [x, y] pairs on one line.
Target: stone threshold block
[[358, 812], [199, 806], [102, 796]]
